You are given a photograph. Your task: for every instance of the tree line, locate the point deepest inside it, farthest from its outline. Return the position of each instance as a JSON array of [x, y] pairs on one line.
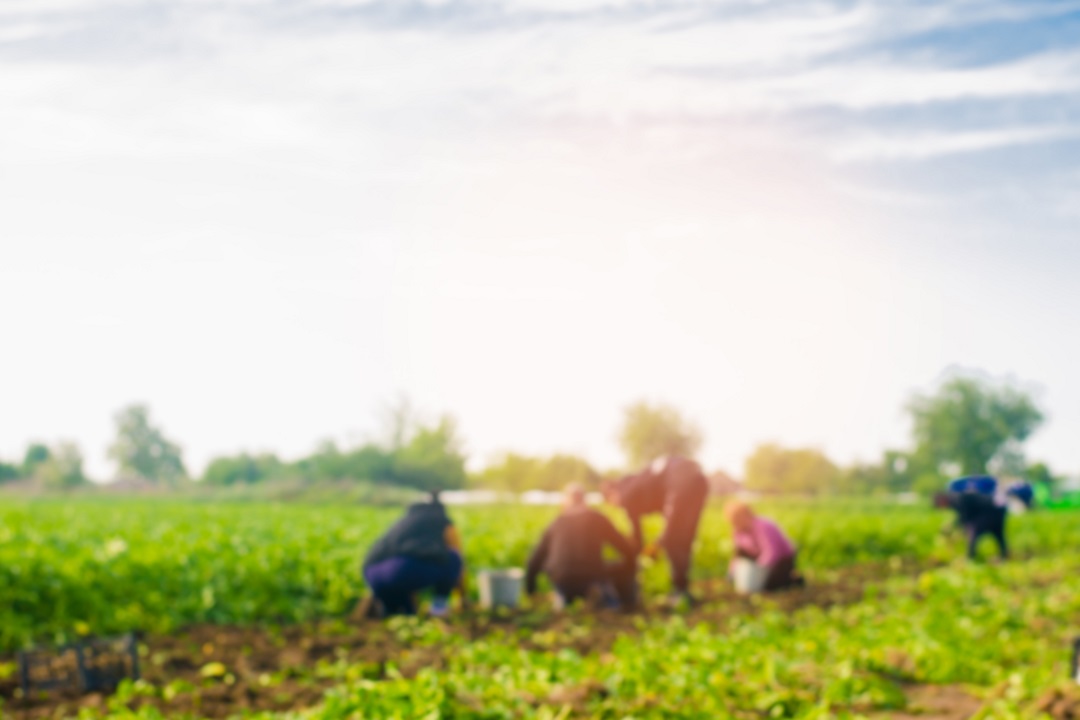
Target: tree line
[[969, 424]]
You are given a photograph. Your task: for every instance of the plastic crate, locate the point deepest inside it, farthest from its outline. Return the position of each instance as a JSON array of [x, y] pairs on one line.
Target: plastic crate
[[92, 665]]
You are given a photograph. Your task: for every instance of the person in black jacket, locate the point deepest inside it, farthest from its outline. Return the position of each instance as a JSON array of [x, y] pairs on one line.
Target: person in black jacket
[[571, 554], [676, 487], [422, 551]]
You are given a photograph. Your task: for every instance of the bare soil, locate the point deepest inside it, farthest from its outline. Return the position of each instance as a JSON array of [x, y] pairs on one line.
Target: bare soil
[[251, 656]]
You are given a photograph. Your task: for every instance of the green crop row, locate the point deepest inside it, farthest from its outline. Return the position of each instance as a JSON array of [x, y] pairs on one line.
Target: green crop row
[[104, 567], [1000, 635]]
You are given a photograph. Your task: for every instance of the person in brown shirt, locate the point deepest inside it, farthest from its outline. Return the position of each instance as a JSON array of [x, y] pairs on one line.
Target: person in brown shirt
[[677, 488], [571, 554]]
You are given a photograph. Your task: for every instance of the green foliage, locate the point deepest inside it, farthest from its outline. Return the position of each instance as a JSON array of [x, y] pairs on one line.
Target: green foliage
[[241, 469], [63, 470], [518, 473], [884, 477], [998, 631], [432, 458], [773, 469], [9, 472], [118, 565], [36, 453], [652, 431], [142, 449], [847, 661], [421, 457], [1040, 474], [971, 422], [512, 473]]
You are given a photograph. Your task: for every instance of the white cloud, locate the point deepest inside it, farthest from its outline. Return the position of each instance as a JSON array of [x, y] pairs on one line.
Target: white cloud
[[919, 146], [285, 87]]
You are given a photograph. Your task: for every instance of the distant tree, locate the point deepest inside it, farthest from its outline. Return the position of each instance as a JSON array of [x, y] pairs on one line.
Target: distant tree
[[775, 469], [432, 458], [511, 472], [242, 469], [518, 473], [894, 473], [561, 469], [142, 450], [652, 431], [970, 423], [36, 453], [9, 472], [1040, 474], [366, 463], [423, 457], [63, 470]]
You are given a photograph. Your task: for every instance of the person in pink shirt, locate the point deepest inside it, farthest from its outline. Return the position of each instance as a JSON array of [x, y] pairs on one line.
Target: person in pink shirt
[[762, 541]]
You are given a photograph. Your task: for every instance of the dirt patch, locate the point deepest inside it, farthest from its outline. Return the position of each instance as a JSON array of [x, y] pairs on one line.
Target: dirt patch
[[215, 671], [1060, 703], [935, 702]]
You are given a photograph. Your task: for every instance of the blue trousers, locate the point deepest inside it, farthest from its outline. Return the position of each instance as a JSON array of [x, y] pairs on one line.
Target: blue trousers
[[395, 580]]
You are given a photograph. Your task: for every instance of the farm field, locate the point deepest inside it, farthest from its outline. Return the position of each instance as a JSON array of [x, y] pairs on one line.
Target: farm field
[[244, 610]]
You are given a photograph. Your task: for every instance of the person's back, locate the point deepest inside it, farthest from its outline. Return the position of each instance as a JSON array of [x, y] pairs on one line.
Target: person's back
[[979, 515], [571, 553], [420, 534], [421, 551], [765, 538], [576, 545], [676, 487]]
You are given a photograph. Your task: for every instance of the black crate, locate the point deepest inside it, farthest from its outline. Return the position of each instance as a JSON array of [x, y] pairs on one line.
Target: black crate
[[92, 665]]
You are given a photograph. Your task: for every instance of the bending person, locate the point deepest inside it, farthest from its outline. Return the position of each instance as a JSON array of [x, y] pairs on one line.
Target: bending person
[[677, 488], [422, 551], [760, 539], [571, 554], [978, 514]]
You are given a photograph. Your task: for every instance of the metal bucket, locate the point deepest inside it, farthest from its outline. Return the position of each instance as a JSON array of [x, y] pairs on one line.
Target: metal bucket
[[749, 577], [500, 588]]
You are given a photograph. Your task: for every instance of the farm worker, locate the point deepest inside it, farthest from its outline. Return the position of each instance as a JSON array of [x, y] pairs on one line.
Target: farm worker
[[977, 512], [676, 487], [571, 554], [760, 539], [422, 551], [982, 484], [1023, 493]]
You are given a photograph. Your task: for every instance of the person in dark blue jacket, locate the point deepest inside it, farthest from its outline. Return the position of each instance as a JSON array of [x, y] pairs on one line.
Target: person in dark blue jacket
[[977, 511], [422, 551]]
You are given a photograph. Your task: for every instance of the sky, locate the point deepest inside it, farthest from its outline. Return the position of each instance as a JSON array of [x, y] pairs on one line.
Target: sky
[[269, 219]]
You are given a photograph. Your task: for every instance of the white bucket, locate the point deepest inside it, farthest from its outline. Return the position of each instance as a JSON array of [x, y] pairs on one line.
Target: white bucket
[[749, 576], [500, 588]]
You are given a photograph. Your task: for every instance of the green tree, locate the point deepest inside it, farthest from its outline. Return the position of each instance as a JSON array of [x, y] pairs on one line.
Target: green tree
[[432, 458], [1040, 474], [970, 423], [242, 469], [559, 470], [329, 463], [142, 449], [36, 453], [774, 469], [652, 431], [9, 472], [518, 473], [511, 472], [63, 470], [894, 473]]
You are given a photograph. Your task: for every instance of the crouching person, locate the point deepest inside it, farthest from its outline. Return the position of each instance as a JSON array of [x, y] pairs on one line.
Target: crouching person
[[759, 539], [571, 554], [978, 514], [422, 551]]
